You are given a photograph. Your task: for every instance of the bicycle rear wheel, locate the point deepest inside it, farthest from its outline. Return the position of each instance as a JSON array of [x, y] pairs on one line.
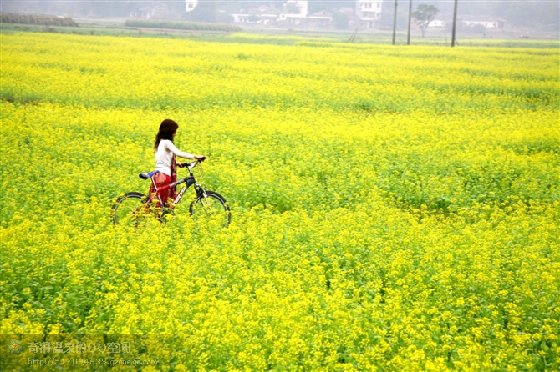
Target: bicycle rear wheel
[[210, 208], [130, 209]]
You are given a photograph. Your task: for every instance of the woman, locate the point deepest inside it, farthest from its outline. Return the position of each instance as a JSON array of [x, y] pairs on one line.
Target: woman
[[165, 155]]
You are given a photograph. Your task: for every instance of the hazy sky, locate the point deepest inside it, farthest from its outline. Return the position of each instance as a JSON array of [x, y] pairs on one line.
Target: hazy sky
[[527, 13]]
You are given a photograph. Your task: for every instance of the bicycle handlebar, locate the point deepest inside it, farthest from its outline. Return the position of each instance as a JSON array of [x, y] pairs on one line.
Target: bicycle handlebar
[[189, 166]]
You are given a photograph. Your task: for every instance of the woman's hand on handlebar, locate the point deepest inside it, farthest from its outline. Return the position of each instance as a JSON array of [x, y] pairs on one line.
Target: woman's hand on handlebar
[[197, 158]]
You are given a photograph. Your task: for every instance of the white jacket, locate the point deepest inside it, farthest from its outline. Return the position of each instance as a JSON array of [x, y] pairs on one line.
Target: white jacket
[[164, 156]]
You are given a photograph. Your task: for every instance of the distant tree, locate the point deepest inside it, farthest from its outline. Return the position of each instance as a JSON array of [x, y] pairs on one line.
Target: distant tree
[[423, 15]]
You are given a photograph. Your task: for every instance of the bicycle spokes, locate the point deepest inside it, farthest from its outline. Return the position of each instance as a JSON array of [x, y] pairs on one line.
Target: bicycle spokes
[[131, 210], [210, 209]]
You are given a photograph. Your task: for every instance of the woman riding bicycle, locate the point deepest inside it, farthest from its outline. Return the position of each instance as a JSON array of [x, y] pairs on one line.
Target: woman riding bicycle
[[165, 156]]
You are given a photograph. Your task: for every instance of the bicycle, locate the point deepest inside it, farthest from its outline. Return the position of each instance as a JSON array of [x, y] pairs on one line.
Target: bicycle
[[134, 207]]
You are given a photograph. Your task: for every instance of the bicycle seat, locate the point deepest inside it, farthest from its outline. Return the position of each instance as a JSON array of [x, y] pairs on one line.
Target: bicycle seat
[[149, 175]]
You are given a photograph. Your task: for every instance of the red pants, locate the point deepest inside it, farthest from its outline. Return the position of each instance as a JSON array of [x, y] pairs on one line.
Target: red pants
[[162, 182]]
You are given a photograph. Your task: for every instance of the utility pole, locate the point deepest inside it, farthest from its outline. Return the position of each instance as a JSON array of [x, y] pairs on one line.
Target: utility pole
[[454, 28], [395, 24], [409, 19]]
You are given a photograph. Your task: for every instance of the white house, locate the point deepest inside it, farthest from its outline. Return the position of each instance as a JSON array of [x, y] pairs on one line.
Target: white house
[[254, 18], [488, 24], [437, 23], [298, 8], [364, 14], [368, 12], [190, 5]]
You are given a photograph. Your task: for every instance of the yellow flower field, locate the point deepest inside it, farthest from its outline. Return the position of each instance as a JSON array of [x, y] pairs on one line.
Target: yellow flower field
[[394, 208]]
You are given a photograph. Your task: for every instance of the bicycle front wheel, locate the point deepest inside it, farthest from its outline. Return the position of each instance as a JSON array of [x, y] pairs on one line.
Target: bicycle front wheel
[[211, 207], [130, 209]]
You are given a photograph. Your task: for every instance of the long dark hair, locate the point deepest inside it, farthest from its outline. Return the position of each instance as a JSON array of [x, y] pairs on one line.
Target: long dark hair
[[166, 130]]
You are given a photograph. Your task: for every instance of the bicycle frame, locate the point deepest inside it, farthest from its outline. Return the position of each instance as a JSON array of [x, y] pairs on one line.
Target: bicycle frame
[[188, 181], [208, 201]]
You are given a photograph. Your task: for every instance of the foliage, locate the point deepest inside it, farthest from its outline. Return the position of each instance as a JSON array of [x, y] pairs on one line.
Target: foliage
[[423, 15], [393, 209], [180, 25], [37, 19]]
